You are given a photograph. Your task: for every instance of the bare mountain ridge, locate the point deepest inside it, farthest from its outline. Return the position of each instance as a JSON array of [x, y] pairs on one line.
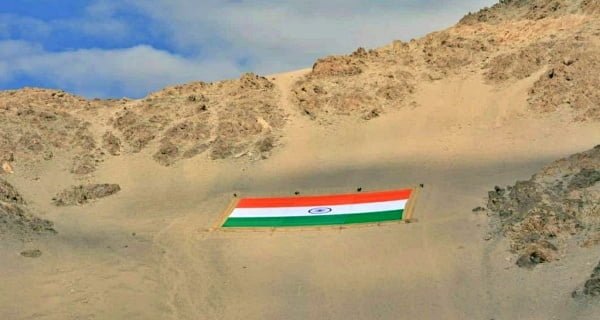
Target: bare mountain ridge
[[515, 47], [226, 119], [510, 10], [244, 117]]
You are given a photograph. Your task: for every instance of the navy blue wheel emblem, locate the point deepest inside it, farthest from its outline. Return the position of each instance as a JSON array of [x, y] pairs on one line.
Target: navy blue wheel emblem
[[321, 210]]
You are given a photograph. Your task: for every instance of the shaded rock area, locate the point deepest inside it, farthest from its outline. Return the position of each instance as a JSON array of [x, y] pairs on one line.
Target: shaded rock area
[[82, 194], [591, 287], [15, 219], [9, 194], [33, 253], [559, 203]]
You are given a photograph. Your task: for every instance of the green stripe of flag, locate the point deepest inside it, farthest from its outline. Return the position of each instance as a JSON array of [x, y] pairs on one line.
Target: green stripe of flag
[[316, 220]]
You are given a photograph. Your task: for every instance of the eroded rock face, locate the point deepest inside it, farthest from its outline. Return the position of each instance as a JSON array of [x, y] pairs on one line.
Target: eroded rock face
[[82, 194], [224, 119], [569, 81], [38, 123], [559, 202], [513, 40], [16, 221], [179, 122], [570, 57], [363, 84]]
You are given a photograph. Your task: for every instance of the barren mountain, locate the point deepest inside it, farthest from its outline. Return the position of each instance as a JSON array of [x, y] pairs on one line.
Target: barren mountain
[[493, 101], [557, 42]]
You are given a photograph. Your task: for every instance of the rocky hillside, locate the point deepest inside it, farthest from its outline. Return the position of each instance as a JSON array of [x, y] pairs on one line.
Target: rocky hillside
[[558, 204], [16, 221], [510, 10], [555, 42], [513, 40], [226, 119], [221, 120]]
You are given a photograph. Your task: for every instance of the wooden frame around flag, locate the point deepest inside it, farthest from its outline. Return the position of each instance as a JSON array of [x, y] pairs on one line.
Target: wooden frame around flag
[[406, 218]]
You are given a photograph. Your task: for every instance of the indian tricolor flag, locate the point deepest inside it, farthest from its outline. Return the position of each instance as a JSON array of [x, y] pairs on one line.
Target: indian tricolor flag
[[324, 210]]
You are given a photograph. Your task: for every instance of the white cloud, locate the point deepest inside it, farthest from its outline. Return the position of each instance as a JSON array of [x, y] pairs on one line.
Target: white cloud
[[9, 52], [208, 38], [24, 26], [291, 34], [93, 72], [98, 21]]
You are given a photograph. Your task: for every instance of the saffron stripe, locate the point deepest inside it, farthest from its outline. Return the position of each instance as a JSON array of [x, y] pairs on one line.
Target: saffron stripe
[[359, 208], [326, 200], [295, 221]]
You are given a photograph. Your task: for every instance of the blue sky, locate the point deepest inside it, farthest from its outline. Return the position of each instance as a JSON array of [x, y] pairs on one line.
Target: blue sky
[[102, 48]]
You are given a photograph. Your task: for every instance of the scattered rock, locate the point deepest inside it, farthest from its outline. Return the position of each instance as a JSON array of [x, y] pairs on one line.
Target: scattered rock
[[48, 155], [7, 157], [435, 75], [111, 143], [82, 194], [374, 113], [33, 253], [540, 252], [166, 154], [195, 150], [567, 61], [266, 144], [478, 209], [83, 164], [9, 194], [7, 168], [336, 66]]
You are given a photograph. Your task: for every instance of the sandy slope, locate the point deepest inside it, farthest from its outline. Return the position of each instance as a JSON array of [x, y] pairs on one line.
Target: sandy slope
[[145, 253]]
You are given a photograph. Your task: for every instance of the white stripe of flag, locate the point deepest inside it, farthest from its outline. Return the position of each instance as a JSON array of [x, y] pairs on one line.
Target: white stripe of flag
[[304, 211]]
